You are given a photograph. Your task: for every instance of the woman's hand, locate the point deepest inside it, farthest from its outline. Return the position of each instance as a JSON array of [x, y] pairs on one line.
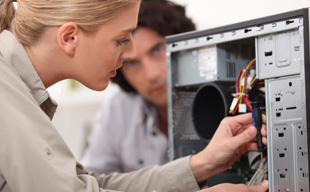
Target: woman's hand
[[234, 136], [226, 187]]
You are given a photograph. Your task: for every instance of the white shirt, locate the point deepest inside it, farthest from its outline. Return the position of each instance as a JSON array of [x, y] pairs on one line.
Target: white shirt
[[126, 136]]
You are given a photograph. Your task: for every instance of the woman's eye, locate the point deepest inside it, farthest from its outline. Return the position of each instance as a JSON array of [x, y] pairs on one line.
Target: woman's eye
[[123, 42]]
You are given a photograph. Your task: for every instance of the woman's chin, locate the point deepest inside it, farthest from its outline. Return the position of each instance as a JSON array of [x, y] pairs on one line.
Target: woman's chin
[[99, 86]]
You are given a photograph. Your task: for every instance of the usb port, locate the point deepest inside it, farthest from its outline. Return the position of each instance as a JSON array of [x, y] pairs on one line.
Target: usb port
[[281, 155], [268, 53]]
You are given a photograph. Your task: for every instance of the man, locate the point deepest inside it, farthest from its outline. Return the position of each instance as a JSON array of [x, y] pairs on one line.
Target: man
[[131, 131]]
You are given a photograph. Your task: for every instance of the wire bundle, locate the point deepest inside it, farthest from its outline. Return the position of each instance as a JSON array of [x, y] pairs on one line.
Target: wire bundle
[[261, 173], [242, 88]]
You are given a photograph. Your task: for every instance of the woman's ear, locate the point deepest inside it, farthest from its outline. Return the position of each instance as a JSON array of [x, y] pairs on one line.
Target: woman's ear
[[68, 37]]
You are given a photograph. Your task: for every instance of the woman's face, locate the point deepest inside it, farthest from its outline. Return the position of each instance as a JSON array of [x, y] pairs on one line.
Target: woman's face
[[101, 53]]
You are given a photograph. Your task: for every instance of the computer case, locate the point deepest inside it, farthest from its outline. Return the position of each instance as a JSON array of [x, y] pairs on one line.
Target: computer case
[[203, 67]]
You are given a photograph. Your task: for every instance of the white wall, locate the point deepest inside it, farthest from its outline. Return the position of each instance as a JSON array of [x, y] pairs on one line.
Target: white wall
[[76, 110], [214, 13]]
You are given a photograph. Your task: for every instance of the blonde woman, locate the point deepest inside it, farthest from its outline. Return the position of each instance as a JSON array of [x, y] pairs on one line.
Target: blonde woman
[[46, 41]]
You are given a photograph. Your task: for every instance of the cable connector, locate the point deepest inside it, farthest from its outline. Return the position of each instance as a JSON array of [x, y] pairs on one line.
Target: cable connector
[[233, 104], [242, 108]]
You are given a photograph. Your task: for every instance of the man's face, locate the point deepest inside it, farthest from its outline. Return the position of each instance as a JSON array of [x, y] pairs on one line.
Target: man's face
[[147, 72]]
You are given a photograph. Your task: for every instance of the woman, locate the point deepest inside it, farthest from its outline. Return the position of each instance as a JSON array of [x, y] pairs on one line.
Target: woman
[[44, 42]]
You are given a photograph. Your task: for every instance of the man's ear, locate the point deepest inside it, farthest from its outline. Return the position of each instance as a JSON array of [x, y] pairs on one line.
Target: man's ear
[[68, 37]]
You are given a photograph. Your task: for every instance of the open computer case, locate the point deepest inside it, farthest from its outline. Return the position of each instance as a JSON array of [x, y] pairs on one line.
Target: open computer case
[[205, 70]]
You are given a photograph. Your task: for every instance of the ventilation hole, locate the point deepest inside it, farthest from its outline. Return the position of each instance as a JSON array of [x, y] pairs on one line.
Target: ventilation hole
[[247, 30], [282, 175], [289, 22], [231, 69]]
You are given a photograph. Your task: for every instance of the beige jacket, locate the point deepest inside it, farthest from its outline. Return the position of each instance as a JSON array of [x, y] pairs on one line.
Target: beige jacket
[[34, 157]]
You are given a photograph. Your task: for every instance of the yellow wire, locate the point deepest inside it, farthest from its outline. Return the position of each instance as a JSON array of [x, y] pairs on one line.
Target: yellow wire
[[248, 66], [253, 80], [232, 110], [241, 88]]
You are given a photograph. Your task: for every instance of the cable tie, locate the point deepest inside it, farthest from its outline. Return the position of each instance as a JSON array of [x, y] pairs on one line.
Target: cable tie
[[237, 94]]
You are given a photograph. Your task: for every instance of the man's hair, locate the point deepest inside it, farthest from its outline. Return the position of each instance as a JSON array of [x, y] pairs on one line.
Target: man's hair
[[164, 17]]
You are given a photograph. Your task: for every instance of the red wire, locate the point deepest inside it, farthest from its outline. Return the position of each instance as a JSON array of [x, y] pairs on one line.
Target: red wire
[[236, 84], [250, 65], [245, 84], [248, 103], [236, 109], [245, 98]]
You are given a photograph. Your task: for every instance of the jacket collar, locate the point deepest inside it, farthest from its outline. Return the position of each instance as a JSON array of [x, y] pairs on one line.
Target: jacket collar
[[15, 54]]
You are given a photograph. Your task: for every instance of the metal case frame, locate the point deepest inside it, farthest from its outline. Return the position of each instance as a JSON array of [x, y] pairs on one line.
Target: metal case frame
[[282, 61]]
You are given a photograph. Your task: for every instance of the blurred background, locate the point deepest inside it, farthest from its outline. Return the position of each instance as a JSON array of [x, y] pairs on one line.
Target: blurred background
[[78, 105]]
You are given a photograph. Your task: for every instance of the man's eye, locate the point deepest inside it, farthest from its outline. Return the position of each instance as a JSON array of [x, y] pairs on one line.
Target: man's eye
[[123, 42], [159, 50], [129, 64]]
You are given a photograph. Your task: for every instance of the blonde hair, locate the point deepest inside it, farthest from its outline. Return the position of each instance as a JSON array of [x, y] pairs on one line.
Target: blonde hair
[[7, 12], [33, 16]]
